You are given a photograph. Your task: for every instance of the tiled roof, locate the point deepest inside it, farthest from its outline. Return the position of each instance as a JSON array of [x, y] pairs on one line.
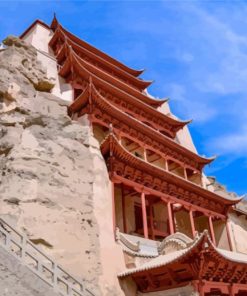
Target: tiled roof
[[162, 260], [138, 246], [166, 259]]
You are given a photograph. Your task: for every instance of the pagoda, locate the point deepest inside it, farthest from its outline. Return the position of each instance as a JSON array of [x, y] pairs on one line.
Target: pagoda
[[159, 192]]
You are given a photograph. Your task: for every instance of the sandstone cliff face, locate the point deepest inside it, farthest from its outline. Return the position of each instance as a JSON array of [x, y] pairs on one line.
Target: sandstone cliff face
[[47, 165]]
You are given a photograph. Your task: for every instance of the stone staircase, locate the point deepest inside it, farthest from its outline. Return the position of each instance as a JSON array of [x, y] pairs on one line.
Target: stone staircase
[[39, 263]]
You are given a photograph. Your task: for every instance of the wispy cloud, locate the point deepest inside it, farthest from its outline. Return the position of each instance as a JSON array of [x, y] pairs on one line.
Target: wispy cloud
[[234, 144], [197, 110]]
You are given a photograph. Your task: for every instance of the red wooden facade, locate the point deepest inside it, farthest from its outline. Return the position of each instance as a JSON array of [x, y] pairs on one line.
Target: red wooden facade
[[210, 271], [113, 98]]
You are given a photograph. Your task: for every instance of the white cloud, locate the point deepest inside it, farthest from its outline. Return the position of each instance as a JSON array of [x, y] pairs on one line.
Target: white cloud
[[234, 144], [199, 111], [187, 57]]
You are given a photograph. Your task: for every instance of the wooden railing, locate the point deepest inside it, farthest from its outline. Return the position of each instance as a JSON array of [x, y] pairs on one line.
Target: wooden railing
[[160, 225], [42, 265]]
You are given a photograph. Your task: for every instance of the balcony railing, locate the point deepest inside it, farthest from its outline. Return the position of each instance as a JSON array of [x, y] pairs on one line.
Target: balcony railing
[[159, 228]]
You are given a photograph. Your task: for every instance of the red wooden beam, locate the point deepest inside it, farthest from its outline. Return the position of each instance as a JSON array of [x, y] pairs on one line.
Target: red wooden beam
[[164, 197]]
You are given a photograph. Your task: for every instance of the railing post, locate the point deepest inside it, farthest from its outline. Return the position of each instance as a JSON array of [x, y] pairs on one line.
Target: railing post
[[69, 290], [55, 274], [39, 266], [23, 246], [7, 241]]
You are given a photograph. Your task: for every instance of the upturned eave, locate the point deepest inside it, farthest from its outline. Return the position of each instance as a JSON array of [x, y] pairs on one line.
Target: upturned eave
[[111, 143]]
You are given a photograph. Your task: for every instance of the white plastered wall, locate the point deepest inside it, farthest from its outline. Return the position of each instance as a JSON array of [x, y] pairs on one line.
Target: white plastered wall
[[39, 37], [183, 136], [119, 208], [238, 232], [220, 233]]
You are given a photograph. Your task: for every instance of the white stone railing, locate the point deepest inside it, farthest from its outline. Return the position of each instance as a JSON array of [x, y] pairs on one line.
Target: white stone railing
[[128, 243], [42, 265]]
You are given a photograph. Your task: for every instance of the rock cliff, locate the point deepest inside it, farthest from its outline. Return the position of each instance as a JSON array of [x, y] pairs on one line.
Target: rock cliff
[[47, 164]]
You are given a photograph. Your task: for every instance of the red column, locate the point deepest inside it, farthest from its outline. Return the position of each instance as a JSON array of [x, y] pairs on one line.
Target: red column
[[193, 230], [123, 209], [185, 174], [113, 210], [166, 165], [229, 235], [151, 220], [201, 289], [170, 217], [144, 215], [231, 290], [211, 227], [145, 153]]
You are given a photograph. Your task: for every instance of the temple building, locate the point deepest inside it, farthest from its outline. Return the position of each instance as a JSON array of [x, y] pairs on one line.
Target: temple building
[[176, 231]]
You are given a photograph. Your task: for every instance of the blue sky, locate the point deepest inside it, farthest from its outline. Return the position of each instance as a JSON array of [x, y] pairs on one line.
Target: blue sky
[[196, 51]]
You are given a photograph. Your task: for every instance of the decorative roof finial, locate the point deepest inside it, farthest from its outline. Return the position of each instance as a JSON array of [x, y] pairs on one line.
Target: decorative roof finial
[[54, 23]]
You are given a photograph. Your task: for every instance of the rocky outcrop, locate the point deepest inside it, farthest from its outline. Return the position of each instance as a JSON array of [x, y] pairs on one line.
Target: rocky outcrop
[[47, 166], [21, 72]]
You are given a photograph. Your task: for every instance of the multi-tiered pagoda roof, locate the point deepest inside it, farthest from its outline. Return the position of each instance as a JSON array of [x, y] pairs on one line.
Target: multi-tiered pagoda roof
[[146, 162]]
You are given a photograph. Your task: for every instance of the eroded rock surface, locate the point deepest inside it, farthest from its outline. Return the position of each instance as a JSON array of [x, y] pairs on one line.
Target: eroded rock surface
[[47, 166]]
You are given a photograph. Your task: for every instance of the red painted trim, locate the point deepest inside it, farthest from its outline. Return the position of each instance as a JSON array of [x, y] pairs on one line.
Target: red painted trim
[[32, 26], [172, 180], [106, 78], [148, 131], [162, 196], [133, 106], [97, 61], [100, 53], [197, 265]]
